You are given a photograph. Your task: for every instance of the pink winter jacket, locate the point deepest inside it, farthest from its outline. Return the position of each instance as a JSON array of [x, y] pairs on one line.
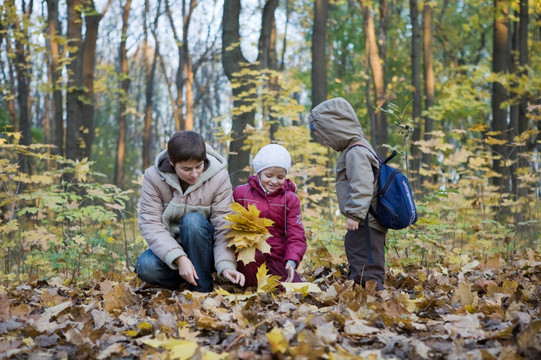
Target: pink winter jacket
[[288, 240], [163, 204]]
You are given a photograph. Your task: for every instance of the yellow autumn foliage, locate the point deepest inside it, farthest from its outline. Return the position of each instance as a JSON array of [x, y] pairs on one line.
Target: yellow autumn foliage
[[248, 232]]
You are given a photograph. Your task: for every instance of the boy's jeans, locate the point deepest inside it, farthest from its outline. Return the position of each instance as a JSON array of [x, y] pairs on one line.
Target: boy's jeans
[[197, 235]]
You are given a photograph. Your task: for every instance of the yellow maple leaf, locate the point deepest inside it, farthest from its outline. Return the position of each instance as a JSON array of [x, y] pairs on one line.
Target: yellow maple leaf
[[278, 341], [303, 287], [182, 349], [249, 232], [266, 283], [478, 127], [493, 141]]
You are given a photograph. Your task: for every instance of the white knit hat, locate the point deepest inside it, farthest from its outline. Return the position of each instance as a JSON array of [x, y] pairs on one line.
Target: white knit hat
[[272, 155]]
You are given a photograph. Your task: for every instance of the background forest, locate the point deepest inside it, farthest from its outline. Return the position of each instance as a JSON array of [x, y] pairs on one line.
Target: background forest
[[92, 89]]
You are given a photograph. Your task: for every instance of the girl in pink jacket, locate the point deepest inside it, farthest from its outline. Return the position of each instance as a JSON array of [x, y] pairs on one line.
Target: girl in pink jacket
[[274, 196]]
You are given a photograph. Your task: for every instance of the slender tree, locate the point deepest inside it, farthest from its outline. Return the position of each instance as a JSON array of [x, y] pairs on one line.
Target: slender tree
[[267, 59], [416, 88], [123, 100], [74, 105], [379, 132], [319, 56], [7, 66], [500, 64], [81, 69], [185, 76], [56, 133], [150, 71], [429, 82], [23, 69]]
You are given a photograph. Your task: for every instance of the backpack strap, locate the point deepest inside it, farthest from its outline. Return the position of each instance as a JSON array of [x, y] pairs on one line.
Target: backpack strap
[[393, 154]]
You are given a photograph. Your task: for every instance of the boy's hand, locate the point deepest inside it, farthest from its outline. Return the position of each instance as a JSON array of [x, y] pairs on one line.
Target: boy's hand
[[234, 276], [290, 267], [186, 270], [352, 224]]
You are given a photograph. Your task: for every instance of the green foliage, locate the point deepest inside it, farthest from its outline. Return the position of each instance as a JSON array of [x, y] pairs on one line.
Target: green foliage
[[52, 225]]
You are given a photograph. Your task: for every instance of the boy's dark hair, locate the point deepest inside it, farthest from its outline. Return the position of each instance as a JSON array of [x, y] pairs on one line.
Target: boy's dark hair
[[185, 146]]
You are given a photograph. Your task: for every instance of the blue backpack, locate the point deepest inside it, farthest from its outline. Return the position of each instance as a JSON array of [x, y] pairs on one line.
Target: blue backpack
[[396, 207]]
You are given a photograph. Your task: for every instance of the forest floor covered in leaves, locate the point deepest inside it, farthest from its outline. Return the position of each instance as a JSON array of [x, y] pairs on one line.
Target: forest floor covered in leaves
[[484, 309]]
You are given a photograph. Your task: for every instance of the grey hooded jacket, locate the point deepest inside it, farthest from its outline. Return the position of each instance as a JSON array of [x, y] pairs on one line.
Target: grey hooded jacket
[[163, 204], [336, 123]]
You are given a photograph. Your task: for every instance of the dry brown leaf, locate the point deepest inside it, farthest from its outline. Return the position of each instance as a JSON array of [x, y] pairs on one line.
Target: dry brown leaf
[[464, 295], [118, 297]]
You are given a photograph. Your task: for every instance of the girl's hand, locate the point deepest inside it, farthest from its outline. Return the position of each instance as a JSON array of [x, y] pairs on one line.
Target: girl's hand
[[352, 224], [234, 276], [290, 267], [186, 270]]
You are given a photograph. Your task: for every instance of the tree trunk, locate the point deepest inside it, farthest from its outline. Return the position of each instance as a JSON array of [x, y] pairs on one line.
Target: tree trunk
[[428, 40], [150, 70], [92, 22], [74, 106], [124, 89], [9, 75], [23, 69], [416, 85], [184, 75], [81, 66], [376, 64], [187, 63], [267, 59], [523, 61], [319, 57], [499, 94], [56, 134], [232, 61]]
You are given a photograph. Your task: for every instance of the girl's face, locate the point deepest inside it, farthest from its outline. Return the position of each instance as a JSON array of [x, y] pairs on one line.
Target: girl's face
[[273, 178], [189, 171]]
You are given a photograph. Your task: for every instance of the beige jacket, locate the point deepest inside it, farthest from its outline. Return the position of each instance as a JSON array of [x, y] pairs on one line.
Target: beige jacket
[[163, 204], [336, 123]]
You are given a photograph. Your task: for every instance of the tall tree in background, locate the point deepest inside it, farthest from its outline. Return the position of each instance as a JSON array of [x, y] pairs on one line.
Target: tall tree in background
[[428, 70], [185, 76], [379, 131], [150, 70], [244, 92], [233, 62], [519, 122], [123, 100], [74, 95], [523, 61], [23, 68], [319, 56], [56, 133], [267, 59], [500, 64], [81, 66], [416, 89]]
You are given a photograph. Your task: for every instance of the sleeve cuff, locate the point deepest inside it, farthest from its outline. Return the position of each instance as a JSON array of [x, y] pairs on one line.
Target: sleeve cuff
[[222, 265], [170, 257]]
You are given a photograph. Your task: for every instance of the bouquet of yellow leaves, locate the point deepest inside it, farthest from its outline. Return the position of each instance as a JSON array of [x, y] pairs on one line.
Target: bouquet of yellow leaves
[[249, 232]]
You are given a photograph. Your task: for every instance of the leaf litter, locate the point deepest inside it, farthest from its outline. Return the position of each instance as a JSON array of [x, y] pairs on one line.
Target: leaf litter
[[481, 310]]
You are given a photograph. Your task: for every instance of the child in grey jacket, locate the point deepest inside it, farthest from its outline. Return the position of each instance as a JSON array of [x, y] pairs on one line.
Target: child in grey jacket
[[336, 123]]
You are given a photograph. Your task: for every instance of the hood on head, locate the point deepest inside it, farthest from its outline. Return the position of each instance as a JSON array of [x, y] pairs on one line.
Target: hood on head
[[335, 121]]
